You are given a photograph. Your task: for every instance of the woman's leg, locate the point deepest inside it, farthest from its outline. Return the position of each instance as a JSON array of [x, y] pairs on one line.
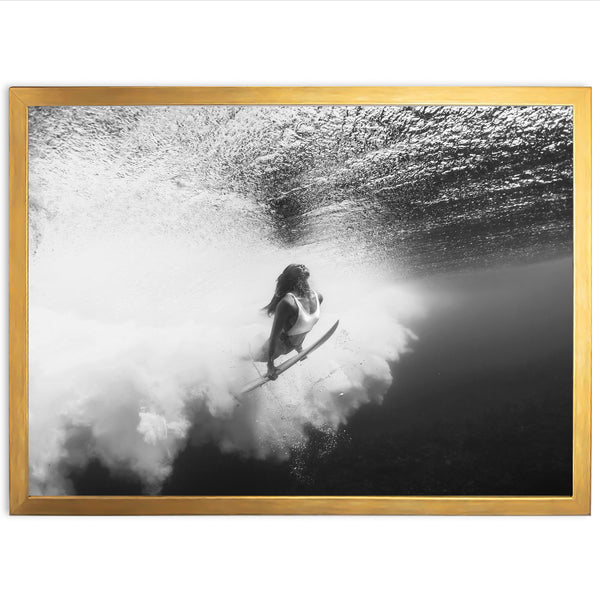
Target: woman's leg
[[262, 355], [295, 342]]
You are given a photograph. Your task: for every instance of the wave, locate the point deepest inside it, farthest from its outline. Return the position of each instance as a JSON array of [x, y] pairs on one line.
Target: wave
[[129, 395], [144, 297]]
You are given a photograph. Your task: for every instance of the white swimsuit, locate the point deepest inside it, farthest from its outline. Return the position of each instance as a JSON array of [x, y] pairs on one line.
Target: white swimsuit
[[305, 321]]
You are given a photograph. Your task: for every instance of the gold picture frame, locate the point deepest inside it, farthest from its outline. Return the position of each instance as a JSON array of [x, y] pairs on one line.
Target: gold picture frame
[[21, 98]]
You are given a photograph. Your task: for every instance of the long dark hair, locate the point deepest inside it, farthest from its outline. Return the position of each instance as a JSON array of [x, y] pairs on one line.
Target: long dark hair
[[294, 277]]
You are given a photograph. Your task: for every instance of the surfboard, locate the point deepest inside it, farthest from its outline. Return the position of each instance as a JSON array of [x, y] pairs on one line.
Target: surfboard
[[290, 362]]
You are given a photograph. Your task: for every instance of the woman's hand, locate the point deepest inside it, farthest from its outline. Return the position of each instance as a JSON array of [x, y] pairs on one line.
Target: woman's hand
[[271, 372]]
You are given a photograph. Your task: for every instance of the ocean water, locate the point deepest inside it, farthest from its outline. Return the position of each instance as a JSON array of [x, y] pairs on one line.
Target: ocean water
[[482, 404], [440, 237]]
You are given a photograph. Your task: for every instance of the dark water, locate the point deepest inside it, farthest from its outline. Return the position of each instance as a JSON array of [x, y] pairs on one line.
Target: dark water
[[429, 187], [482, 406]]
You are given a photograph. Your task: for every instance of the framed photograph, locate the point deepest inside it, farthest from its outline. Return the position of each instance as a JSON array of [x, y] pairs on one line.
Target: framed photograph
[[300, 300]]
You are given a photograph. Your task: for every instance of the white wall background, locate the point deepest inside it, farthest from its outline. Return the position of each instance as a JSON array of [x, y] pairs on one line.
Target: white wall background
[[318, 43]]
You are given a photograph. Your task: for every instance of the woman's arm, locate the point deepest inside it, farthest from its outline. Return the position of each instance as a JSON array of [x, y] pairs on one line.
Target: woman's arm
[[283, 312]]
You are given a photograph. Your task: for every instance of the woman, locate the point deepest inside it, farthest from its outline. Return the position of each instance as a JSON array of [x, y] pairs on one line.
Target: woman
[[296, 309]]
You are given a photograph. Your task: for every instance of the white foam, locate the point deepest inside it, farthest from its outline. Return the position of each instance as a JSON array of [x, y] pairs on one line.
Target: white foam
[[144, 297]]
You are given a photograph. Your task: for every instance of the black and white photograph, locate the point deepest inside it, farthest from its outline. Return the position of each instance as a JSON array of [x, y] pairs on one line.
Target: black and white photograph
[[302, 300], [299, 299]]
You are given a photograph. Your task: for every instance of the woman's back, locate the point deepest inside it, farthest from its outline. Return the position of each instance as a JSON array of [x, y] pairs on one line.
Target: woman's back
[[308, 312]]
